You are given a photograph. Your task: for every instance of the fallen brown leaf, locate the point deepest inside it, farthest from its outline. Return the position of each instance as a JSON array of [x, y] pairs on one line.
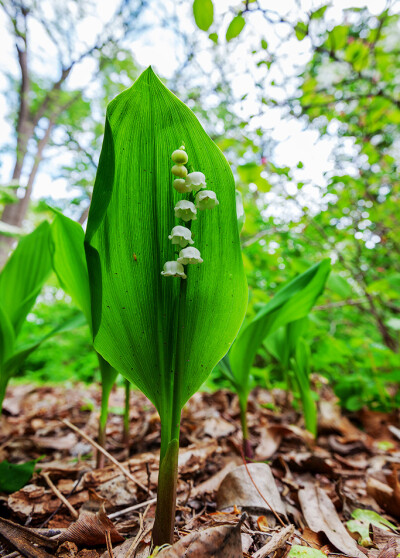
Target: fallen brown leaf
[[321, 515], [239, 489], [216, 542], [91, 527]]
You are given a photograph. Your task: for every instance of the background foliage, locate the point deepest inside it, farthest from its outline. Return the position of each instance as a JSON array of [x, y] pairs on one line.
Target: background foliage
[[248, 72]]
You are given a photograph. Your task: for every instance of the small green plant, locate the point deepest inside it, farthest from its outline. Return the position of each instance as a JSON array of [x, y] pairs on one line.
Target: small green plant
[[21, 281], [69, 264], [290, 304], [289, 348], [163, 320]]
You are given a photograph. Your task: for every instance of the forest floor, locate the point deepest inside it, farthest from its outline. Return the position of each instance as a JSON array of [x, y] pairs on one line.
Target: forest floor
[[297, 496]]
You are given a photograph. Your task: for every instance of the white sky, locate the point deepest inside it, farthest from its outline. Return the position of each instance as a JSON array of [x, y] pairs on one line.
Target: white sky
[[161, 49]]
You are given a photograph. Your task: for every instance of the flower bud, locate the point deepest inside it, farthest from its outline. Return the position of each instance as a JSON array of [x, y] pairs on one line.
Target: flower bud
[[180, 186], [189, 256], [196, 181], [207, 199], [179, 156], [185, 210], [179, 170], [181, 236], [173, 269]]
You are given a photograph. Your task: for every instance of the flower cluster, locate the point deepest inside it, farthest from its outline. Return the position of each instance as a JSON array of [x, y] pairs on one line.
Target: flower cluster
[[199, 199]]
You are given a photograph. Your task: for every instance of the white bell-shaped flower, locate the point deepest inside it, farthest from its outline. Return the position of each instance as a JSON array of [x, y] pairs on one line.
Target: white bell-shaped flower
[[180, 186], [181, 236], [196, 181], [185, 210], [173, 269], [207, 199], [189, 255]]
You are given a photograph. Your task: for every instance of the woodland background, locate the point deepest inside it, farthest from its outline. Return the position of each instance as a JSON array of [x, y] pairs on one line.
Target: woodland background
[[305, 104]]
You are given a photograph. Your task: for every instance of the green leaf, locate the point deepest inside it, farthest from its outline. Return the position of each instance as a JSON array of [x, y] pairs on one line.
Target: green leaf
[[362, 519], [240, 214], [136, 309], [17, 358], [7, 337], [69, 261], [301, 30], [24, 274], [298, 551], [291, 303], [213, 37], [203, 11], [235, 27], [14, 477], [319, 13], [337, 38]]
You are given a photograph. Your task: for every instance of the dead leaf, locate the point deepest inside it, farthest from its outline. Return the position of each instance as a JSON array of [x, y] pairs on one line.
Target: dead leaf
[[216, 542], [239, 489], [23, 539], [321, 515], [212, 484], [217, 427], [386, 496], [391, 550], [90, 527]]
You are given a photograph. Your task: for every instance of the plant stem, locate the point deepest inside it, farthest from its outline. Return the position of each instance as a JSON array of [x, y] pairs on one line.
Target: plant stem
[[164, 523], [125, 435], [4, 379], [247, 449]]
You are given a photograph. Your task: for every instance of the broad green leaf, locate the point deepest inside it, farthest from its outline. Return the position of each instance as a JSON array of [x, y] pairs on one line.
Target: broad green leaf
[[13, 477], [7, 337], [69, 261], [235, 27], [24, 274], [135, 308], [203, 11], [291, 303]]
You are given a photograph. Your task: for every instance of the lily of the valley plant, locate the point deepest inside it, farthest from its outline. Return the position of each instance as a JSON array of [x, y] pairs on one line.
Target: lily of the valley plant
[[168, 287]]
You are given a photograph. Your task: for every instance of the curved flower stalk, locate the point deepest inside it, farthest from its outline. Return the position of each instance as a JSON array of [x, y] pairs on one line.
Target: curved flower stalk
[[187, 211]]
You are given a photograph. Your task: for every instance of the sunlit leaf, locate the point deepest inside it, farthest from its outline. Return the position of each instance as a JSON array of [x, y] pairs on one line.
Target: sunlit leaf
[[24, 274], [235, 27], [135, 309], [203, 11]]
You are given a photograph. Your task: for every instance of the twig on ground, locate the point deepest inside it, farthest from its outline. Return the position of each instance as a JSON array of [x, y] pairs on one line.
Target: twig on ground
[[141, 534], [105, 452], [132, 508], [60, 496], [277, 541], [109, 544]]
